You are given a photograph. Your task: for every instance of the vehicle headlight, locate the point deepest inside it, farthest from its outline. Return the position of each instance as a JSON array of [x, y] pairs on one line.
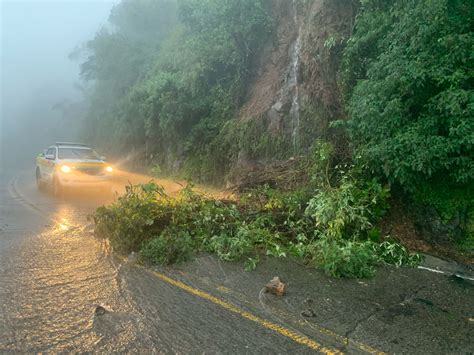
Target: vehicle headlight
[[109, 169], [65, 169]]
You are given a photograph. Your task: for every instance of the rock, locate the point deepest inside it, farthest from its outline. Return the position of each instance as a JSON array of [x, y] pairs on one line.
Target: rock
[[308, 313], [100, 311], [278, 106], [275, 286]]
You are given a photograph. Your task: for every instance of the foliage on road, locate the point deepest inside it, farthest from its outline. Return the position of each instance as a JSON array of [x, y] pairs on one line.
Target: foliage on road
[[328, 226]]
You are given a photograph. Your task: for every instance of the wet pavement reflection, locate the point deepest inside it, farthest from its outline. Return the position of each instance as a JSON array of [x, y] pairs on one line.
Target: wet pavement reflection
[[51, 281], [62, 290]]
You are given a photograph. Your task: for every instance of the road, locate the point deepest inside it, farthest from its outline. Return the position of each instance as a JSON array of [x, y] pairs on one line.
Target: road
[[54, 274]]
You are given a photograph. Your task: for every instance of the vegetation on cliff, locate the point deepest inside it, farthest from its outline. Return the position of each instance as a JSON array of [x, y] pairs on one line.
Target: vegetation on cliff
[[165, 91], [405, 77], [408, 77]]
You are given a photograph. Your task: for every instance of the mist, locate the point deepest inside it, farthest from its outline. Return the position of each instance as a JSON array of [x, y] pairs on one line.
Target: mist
[[41, 100]]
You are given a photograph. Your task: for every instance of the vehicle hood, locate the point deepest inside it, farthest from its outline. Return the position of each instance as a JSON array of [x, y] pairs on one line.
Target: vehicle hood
[[83, 162]]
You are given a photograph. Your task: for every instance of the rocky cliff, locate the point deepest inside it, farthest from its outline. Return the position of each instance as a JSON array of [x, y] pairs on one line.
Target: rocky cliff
[[294, 94]]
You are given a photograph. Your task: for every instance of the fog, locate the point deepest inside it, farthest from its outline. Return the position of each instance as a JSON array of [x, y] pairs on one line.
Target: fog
[[41, 98]]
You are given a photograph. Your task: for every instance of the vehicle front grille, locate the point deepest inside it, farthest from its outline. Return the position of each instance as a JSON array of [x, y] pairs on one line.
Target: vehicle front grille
[[91, 171]]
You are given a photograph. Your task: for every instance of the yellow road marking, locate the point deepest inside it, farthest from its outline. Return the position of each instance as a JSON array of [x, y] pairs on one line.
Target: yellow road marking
[[316, 327], [296, 337], [301, 339], [288, 333]]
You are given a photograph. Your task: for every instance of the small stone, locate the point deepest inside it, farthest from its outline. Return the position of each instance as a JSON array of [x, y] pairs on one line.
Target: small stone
[[100, 311], [278, 106], [275, 286], [309, 313]]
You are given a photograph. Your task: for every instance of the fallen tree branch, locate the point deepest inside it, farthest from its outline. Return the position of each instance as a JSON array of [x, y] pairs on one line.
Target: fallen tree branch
[[284, 175]]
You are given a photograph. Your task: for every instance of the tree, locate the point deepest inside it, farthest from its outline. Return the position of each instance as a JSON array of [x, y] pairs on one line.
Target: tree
[[411, 98]]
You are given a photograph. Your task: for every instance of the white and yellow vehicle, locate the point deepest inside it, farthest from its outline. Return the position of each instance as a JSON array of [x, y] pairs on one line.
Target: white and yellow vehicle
[[72, 165]]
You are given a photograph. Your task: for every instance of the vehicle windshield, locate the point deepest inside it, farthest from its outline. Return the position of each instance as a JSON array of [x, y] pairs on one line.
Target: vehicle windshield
[[77, 153]]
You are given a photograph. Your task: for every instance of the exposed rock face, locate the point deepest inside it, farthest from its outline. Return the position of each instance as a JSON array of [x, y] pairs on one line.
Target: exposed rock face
[[295, 90], [326, 25], [276, 82]]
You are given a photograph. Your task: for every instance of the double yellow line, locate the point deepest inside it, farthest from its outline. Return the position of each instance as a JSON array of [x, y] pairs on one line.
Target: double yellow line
[[298, 338], [288, 333]]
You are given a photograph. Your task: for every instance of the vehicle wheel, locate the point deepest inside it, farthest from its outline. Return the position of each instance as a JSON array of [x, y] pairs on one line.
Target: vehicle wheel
[[39, 181], [57, 188]]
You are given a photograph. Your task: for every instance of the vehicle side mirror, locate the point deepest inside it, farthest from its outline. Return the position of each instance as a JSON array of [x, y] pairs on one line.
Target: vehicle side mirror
[[103, 158], [49, 156]]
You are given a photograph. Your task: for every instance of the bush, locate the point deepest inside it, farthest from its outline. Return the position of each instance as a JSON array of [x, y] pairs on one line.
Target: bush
[[349, 258], [319, 222], [344, 258], [331, 228], [134, 218], [234, 246], [173, 245], [349, 210], [395, 254]]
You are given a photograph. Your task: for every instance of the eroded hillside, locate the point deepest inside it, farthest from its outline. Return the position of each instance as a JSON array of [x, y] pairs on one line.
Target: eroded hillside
[[294, 93]]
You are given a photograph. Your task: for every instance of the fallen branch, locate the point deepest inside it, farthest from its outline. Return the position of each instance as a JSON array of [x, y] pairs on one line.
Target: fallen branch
[[284, 175]]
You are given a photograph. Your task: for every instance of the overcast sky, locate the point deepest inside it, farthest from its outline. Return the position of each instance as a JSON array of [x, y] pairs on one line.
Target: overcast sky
[[37, 37]]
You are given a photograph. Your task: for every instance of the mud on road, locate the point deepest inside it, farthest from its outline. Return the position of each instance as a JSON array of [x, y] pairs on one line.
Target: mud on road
[[54, 274]]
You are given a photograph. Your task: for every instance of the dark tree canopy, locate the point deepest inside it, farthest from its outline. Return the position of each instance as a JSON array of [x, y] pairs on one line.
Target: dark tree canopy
[[408, 73]]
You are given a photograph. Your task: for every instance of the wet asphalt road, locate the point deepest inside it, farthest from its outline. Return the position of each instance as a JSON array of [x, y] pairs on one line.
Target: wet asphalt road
[[53, 274]]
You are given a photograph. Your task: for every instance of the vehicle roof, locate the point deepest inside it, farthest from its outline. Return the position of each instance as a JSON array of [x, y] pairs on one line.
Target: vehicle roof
[[70, 144], [72, 147]]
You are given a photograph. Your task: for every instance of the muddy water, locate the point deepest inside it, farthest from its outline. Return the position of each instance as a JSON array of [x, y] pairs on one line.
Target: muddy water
[[54, 273], [51, 282]]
